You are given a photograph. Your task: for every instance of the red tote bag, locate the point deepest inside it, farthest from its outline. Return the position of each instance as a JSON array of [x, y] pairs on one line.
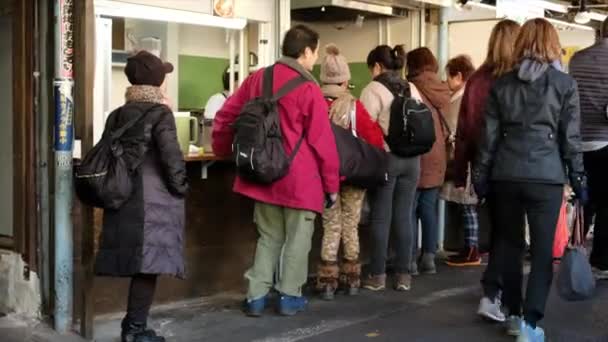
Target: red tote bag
[[562, 234]]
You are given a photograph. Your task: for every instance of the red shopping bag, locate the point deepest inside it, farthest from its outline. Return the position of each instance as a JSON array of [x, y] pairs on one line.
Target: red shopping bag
[[562, 234]]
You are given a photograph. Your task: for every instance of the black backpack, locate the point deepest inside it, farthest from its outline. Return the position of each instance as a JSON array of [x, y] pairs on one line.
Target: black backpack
[[411, 129], [104, 177], [258, 141]]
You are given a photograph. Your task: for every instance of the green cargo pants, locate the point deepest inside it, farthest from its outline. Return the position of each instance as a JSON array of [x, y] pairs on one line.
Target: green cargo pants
[[281, 230]]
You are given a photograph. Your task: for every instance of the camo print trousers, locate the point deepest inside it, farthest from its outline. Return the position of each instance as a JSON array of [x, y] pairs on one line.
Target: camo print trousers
[[341, 223]]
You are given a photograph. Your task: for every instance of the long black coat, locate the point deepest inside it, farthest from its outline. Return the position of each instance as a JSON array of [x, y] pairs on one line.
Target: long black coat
[[532, 129], [146, 235]]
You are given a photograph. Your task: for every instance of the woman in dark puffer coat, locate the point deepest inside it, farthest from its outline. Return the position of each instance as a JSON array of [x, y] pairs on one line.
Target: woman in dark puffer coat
[[145, 237]]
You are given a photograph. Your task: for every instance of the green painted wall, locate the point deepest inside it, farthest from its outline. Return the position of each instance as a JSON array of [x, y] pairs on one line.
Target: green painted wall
[[359, 73], [199, 79]]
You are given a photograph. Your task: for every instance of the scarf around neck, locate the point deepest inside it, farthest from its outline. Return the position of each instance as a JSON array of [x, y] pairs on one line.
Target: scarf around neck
[[144, 93], [342, 104]]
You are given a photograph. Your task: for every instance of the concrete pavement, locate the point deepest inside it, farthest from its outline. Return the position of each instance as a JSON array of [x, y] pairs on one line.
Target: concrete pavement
[[439, 308]]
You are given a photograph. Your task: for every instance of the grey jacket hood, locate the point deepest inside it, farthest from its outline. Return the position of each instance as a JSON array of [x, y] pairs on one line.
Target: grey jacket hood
[[530, 69]]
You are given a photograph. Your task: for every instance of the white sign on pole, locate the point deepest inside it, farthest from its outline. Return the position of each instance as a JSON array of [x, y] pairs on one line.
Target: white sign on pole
[[518, 10]]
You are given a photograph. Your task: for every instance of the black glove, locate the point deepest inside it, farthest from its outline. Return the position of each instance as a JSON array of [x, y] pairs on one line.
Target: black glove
[[329, 202], [578, 182]]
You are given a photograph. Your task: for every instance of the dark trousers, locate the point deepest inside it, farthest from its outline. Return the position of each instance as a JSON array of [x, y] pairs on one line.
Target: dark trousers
[[511, 202], [596, 165], [391, 207], [141, 295], [425, 210]]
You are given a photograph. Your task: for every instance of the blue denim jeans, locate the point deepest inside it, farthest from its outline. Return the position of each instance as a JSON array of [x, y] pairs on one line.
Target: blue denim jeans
[[425, 210], [391, 206]]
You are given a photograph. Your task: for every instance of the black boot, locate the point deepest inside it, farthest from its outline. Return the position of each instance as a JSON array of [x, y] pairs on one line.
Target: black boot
[[138, 332]]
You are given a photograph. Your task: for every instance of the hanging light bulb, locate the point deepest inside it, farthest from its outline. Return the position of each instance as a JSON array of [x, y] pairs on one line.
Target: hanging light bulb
[[459, 4], [583, 16]]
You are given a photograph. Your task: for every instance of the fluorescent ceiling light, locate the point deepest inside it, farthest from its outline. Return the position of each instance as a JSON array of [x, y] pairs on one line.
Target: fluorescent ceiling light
[[121, 9]]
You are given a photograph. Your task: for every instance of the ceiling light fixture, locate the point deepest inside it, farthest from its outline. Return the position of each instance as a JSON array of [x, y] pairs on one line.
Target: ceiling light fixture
[[459, 4], [583, 16]]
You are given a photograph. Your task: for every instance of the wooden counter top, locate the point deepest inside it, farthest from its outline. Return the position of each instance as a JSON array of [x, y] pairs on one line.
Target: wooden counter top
[[203, 157]]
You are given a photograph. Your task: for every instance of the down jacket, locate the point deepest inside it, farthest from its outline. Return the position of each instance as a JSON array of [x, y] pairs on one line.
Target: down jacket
[[532, 129], [146, 235]]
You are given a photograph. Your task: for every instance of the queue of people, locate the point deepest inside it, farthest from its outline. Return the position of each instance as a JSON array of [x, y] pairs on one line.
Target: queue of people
[[508, 133]]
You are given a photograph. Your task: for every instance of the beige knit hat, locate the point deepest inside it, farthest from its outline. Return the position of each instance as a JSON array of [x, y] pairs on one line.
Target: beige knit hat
[[334, 68]]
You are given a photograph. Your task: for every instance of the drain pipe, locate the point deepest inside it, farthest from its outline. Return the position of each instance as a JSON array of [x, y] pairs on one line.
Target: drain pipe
[[64, 136], [443, 61]]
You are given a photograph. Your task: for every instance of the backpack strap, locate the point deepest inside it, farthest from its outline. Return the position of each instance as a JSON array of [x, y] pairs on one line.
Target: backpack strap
[[267, 82], [289, 87], [122, 130], [268, 85]]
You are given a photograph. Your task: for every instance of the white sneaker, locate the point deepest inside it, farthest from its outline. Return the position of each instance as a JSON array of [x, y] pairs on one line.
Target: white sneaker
[[490, 309], [600, 274], [513, 326]]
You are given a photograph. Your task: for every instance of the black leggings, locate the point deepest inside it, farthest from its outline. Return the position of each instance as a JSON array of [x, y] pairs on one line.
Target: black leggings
[[541, 203], [141, 295]]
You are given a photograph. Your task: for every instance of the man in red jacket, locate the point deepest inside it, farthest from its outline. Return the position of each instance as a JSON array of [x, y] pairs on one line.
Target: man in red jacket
[[285, 210]]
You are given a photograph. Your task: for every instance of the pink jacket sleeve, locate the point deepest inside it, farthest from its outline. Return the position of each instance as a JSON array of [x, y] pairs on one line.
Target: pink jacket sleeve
[[223, 133], [320, 137]]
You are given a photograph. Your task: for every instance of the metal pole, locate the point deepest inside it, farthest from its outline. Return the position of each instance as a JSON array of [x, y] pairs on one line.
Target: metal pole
[[443, 40], [64, 137], [443, 61], [231, 56]]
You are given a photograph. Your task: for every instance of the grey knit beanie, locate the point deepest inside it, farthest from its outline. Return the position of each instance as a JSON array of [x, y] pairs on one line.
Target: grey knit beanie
[[334, 68]]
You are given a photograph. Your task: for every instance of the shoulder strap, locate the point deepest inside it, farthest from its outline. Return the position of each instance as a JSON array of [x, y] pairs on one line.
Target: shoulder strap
[[578, 238], [444, 122], [122, 130], [268, 85], [353, 119], [268, 81], [289, 86]]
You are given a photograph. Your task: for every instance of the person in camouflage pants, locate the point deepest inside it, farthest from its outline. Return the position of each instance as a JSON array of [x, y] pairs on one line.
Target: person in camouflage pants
[[340, 225], [341, 220]]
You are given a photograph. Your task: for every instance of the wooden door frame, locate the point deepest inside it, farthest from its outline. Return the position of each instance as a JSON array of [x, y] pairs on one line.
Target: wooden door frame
[[25, 240]]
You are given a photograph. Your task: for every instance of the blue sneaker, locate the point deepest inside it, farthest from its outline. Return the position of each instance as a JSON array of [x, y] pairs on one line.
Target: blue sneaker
[[291, 305], [255, 307], [528, 334]]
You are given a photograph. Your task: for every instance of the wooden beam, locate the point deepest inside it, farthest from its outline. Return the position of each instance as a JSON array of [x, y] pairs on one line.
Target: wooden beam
[[84, 72], [24, 125]]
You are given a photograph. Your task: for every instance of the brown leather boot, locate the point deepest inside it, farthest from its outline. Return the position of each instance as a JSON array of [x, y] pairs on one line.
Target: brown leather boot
[[327, 279], [350, 277]]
